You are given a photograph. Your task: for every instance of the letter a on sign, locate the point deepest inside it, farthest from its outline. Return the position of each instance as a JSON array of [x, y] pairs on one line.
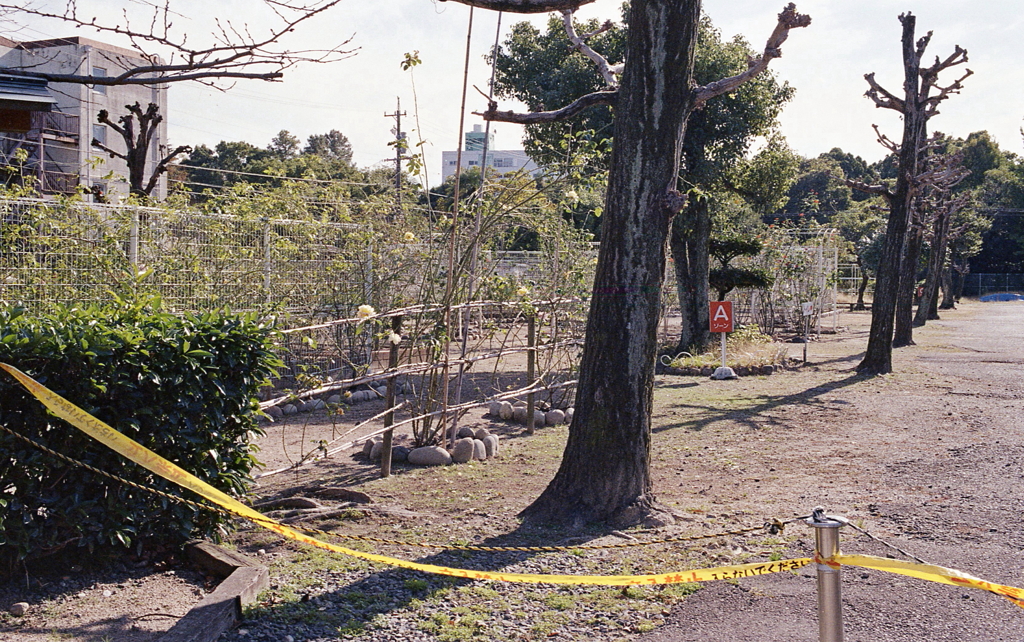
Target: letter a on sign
[[721, 316]]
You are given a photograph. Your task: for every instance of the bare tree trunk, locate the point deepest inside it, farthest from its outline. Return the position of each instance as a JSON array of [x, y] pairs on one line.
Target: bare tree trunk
[[878, 356], [927, 308], [947, 290], [863, 286], [690, 254], [960, 272], [605, 473], [904, 329]]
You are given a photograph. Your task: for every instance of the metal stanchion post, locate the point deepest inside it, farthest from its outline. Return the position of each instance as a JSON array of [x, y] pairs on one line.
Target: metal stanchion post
[[830, 603]]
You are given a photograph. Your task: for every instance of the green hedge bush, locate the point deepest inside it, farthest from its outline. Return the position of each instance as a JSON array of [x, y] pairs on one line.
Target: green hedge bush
[[183, 385]]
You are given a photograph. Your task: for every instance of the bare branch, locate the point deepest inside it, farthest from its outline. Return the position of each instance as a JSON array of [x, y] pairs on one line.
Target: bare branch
[[958, 57], [578, 42], [788, 19], [877, 190], [104, 117], [235, 52], [607, 97], [525, 6], [161, 167], [881, 96], [931, 104], [113, 154], [885, 141]]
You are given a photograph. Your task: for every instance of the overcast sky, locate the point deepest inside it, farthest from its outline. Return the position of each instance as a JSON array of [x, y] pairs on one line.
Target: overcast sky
[[826, 64]]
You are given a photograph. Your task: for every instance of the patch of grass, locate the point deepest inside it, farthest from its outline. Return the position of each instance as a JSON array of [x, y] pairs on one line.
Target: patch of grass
[[559, 601], [484, 592], [645, 626], [681, 590], [416, 585], [457, 629]]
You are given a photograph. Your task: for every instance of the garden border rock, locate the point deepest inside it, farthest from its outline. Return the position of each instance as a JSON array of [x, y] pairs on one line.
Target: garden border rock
[[221, 610]]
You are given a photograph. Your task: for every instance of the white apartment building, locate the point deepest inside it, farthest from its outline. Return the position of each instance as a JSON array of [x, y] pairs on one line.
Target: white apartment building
[[502, 161], [55, 123]]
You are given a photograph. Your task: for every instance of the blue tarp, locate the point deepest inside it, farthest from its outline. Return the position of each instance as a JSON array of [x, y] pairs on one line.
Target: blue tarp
[[1002, 296]]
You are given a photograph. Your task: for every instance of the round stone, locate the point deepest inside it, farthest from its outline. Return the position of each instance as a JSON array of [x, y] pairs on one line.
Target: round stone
[[334, 399], [506, 412], [289, 409], [465, 431], [399, 453], [519, 414], [376, 450], [491, 445], [275, 412], [430, 456], [568, 414], [18, 609], [479, 450], [463, 450], [539, 418], [494, 409], [368, 446], [554, 417], [480, 433]]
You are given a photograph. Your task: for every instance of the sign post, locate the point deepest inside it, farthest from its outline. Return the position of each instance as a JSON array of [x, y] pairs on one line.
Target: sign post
[[722, 322]]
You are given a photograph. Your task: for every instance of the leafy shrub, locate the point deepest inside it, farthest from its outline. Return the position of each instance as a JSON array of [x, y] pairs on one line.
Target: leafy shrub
[[182, 385]]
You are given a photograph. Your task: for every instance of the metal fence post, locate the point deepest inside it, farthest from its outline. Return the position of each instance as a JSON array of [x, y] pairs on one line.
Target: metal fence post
[[389, 400], [531, 370], [268, 259], [133, 241], [830, 603]]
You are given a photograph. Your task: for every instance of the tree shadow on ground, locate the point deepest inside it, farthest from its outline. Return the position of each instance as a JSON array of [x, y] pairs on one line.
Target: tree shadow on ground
[[847, 359], [745, 415], [350, 608]]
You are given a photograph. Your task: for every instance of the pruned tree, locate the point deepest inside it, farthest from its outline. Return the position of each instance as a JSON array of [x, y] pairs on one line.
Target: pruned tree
[[136, 129], [605, 470], [917, 106], [934, 211], [542, 71], [725, 277]]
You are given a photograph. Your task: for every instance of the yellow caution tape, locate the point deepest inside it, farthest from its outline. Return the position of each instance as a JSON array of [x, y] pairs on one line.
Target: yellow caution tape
[[157, 464], [931, 573]]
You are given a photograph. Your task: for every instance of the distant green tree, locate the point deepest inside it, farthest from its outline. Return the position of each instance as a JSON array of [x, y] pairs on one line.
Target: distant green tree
[[284, 145], [819, 189], [861, 228], [854, 168], [765, 179], [333, 145]]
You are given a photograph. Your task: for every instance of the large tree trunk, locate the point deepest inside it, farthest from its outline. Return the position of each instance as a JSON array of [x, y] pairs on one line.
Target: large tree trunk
[[605, 470], [960, 272], [690, 234], [947, 290], [878, 356], [927, 307], [904, 329]]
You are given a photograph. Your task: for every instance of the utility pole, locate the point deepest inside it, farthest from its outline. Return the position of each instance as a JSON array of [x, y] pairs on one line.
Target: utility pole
[[400, 147]]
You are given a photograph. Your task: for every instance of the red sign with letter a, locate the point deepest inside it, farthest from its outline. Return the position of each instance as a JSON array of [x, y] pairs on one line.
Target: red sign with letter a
[[721, 316]]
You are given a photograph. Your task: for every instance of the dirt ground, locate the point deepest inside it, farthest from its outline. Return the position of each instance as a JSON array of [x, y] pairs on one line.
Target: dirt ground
[[930, 458]]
